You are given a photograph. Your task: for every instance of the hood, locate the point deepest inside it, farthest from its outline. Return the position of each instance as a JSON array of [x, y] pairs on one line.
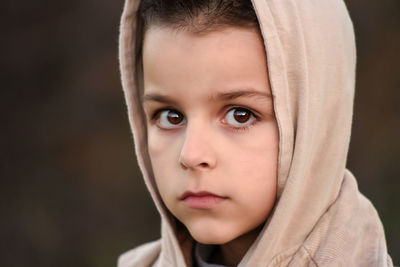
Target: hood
[[320, 218]]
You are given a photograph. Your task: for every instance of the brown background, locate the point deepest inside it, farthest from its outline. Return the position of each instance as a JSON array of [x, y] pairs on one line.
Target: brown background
[[70, 192]]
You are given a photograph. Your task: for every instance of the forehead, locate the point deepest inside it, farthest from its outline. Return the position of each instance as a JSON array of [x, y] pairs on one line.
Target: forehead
[[228, 57]]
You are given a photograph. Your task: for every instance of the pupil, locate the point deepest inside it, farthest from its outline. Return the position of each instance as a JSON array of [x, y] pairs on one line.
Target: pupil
[[174, 117], [241, 115]]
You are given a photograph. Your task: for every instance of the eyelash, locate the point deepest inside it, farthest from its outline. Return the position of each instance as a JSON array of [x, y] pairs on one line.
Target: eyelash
[[156, 115], [245, 128]]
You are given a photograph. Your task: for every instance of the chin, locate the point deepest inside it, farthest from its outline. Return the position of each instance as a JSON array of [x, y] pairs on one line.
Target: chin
[[211, 239], [211, 235]]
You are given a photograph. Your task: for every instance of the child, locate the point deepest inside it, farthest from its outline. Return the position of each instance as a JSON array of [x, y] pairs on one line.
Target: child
[[241, 113]]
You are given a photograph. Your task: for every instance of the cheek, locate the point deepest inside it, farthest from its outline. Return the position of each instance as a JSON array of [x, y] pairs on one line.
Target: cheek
[[255, 181], [255, 153], [255, 188], [254, 166], [163, 148], [164, 151]]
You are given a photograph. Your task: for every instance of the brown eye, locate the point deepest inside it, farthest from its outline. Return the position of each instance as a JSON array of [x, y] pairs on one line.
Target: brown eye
[[238, 117], [174, 117], [241, 115], [169, 119]]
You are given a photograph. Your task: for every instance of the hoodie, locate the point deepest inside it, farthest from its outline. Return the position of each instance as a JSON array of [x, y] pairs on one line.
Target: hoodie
[[320, 218]]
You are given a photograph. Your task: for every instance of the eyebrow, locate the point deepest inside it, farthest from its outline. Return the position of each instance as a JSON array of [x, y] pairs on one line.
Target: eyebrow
[[221, 96], [240, 93], [157, 98]]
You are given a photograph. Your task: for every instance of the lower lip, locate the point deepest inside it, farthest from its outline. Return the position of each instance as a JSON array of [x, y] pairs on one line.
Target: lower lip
[[203, 202]]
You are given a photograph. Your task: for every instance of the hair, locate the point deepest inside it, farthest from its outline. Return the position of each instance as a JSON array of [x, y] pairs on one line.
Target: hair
[[196, 16]]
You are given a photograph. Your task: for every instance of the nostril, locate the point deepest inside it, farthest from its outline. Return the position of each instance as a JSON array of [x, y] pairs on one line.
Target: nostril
[[203, 164]]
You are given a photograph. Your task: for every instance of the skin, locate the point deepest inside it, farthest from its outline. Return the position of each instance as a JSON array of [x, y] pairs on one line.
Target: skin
[[211, 127]]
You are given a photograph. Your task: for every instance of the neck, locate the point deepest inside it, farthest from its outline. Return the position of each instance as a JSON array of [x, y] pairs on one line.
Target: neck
[[231, 253]]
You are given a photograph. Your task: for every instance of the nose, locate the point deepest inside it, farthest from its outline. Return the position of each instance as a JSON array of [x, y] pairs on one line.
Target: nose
[[197, 152]]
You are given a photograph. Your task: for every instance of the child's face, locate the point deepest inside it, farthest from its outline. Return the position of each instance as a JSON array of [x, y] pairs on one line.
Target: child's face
[[212, 133]]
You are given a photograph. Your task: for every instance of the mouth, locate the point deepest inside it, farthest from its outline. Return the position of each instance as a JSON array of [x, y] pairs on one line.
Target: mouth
[[201, 199]]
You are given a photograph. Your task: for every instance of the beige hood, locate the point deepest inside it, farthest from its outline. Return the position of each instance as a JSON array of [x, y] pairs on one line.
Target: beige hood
[[320, 217]]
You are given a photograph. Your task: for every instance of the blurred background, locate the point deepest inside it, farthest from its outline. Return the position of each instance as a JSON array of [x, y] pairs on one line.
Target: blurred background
[[70, 190]]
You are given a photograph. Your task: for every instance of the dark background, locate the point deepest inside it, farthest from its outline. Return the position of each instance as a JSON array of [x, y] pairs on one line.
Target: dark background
[[70, 191]]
